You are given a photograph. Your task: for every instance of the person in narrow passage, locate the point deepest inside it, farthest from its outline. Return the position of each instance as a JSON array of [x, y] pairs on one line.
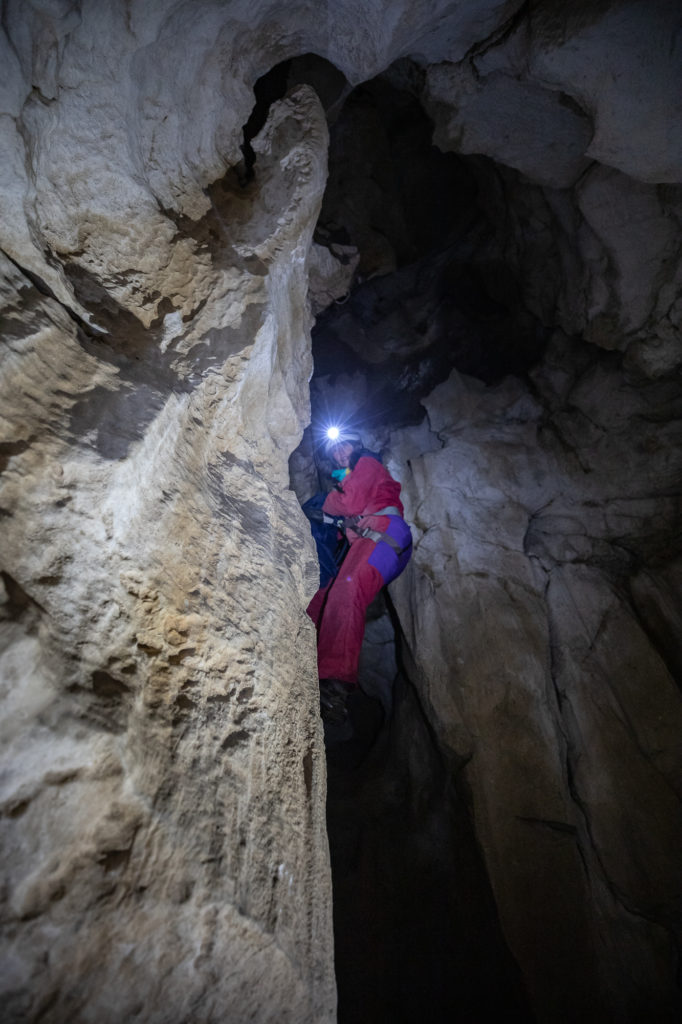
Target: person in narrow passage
[[366, 504]]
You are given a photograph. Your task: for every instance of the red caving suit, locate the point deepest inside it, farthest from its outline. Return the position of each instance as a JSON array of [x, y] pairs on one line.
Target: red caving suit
[[338, 610]]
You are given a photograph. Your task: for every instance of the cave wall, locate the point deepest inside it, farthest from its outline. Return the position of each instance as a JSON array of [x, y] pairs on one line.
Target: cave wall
[[163, 784], [163, 780], [536, 511]]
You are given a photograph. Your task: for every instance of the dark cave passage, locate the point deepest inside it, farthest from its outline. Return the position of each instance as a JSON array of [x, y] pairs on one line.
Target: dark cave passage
[[428, 294], [416, 926], [428, 288], [439, 289]]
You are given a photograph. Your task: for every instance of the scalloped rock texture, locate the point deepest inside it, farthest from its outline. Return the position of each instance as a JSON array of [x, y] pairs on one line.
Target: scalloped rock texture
[[163, 771], [163, 781]]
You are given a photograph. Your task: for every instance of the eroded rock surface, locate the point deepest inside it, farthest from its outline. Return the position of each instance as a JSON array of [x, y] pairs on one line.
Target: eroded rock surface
[[163, 774], [522, 618]]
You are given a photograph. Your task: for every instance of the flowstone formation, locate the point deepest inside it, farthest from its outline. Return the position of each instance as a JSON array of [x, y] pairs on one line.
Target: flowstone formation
[[163, 782]]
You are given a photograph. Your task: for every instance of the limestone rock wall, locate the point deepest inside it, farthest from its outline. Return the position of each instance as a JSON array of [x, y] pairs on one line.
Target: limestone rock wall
[[600, 260], [163, 780], [534, 643]]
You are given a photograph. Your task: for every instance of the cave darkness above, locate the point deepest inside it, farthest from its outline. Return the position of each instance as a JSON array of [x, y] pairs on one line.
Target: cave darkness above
[[430, 290], [427, 296]]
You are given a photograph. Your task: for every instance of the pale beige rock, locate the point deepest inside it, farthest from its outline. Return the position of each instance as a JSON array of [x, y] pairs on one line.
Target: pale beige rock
[[601, 261], [155, 115], [623, 64], [163, 784], [639, 238], [618, 63], [561, 89], [330, 274]]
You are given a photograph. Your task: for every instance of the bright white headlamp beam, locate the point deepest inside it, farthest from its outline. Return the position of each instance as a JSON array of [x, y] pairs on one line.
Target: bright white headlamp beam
[[332, 433]]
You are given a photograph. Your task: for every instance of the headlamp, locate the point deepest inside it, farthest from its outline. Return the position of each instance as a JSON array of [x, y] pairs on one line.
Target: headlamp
[[339, 433]]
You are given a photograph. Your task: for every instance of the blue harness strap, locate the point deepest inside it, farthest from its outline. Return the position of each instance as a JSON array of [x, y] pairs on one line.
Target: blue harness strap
[[330, 550]]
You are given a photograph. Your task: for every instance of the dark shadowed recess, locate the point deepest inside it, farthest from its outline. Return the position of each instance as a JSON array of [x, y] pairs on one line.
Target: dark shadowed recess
[[417, 935], [429, 294], [415, 926]]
